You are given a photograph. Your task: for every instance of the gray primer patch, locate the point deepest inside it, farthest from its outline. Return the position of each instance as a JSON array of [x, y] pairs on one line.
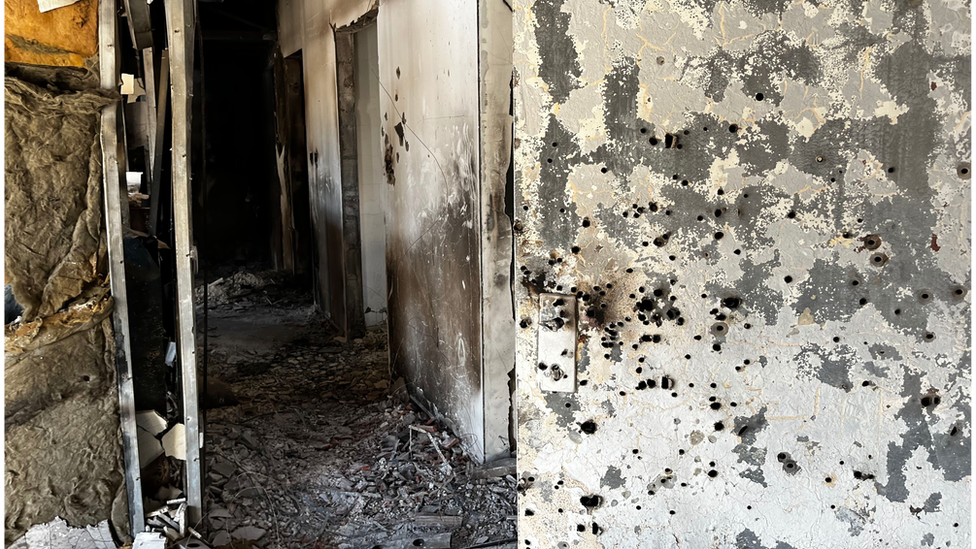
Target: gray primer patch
[[563, 406], [612, 479], [560, 68], [755, 475], [835, 364], [749, 427], [854, 520]]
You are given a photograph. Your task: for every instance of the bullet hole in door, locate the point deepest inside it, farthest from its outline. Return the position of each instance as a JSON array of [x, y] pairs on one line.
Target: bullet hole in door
[[863, 476]]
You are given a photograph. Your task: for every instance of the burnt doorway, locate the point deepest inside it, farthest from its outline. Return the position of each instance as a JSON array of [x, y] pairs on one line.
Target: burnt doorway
[[297, 243], [363, 181]]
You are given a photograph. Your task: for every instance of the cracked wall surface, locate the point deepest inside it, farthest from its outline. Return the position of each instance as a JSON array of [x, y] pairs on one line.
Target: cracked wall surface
[[763, 210]]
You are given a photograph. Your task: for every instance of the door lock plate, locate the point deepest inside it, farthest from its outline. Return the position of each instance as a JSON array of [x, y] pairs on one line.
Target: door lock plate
[[557, 343]]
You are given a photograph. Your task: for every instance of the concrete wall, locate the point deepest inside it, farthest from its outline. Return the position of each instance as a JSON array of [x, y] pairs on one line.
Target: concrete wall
[[436, 227], [764, 210], [372, 180]]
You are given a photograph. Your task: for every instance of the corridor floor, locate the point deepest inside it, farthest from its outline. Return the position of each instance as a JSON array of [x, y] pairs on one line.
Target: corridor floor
[[319, 447]]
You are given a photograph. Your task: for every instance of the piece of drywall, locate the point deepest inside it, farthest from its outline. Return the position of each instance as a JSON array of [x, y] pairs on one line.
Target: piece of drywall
[[763, 209]]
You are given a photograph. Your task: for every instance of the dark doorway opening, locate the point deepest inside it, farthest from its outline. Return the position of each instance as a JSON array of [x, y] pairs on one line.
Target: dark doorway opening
[[240, 187], [298, 246]]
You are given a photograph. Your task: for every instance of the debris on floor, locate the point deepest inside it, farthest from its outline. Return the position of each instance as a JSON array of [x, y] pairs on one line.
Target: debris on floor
[[322, 449], [167, 528], [235, 289]]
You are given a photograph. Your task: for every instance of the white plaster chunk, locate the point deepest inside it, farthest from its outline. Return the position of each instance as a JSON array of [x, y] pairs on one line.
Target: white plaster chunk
[[151, 421], [149, 447], [174, 442]]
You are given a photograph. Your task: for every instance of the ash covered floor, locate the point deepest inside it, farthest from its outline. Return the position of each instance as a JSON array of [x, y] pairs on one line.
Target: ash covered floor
[[319, 447]]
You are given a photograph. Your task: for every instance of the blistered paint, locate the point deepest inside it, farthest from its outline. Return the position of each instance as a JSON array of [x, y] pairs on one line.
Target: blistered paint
[[763, 208]]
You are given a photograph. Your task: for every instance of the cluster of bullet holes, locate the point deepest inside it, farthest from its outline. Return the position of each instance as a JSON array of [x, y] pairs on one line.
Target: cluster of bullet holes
[[878, 259], [789, 465]]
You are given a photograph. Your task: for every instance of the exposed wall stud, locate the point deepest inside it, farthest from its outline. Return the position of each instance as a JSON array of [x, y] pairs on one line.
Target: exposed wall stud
[[180, 24], [114, 200]]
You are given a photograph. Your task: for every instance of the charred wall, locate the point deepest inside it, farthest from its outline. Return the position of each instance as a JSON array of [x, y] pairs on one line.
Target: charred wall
[[309, 27], [763, 209], [431, 136], [497, 245]]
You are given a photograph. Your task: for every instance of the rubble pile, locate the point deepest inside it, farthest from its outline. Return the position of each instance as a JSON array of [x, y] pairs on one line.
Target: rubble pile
[[321, 449], [239, 290]]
